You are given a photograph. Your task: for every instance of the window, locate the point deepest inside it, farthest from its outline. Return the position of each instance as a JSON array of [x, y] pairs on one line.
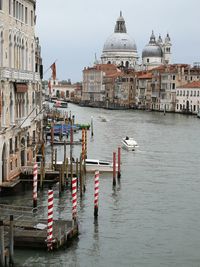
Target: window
[[14, 8], [194, 93], [191, 93], [174, 77], [10, 145], [187, 93], [33, 141], [177, 93], [26, 15], [31, 17], [197, 93], [177, 106], [183, 93], [22, 13], [11, 165], [173, 86], [1, 4], [9, 7], [147, 60], [16, 145]]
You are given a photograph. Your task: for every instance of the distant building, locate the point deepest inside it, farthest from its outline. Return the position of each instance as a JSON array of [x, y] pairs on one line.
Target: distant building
[[188, 98], [62, 89]]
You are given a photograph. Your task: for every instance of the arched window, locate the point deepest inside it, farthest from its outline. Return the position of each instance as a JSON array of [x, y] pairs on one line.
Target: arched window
[[22, 55], [10, 51], [32, 57], [127, 64], [26, 56], [1, 49], [11, 109]]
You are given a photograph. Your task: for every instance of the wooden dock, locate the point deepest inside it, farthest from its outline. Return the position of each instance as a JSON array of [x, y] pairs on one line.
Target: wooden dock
[[23, 227]]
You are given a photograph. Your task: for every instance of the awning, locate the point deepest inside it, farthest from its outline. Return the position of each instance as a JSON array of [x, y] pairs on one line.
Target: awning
[[21, 87]]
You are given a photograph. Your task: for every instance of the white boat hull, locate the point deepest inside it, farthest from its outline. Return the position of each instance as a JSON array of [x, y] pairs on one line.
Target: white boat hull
[[129, 144]]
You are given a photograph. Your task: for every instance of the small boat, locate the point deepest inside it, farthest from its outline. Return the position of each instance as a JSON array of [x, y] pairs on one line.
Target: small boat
[[103, 119], [60, 104], [94, 164], [129, 143], [100, 165]]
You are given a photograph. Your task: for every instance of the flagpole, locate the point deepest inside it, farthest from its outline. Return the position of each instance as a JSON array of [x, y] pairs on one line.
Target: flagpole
[[49, 67]]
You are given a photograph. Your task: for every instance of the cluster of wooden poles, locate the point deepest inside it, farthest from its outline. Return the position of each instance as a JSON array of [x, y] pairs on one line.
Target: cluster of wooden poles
[[7, 255]]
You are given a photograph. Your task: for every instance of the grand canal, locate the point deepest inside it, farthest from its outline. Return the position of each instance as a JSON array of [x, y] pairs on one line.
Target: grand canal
[[152, 217]]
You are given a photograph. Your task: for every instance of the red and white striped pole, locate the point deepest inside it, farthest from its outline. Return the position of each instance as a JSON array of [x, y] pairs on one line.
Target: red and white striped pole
[[35, 175], [74, 198], [83, 144], [96, 193], [50, 220]]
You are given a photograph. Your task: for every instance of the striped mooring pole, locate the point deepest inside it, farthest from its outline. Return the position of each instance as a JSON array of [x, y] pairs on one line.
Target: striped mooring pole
[[83, 143], [74, 198], [35, 175], [50, 220], [96, 193]]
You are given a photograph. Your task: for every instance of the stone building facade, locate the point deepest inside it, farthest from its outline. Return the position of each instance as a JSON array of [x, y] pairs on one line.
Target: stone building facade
[[20, 88]]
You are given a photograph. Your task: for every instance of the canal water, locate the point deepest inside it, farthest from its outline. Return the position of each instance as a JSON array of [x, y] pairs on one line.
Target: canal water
[[152, 217]]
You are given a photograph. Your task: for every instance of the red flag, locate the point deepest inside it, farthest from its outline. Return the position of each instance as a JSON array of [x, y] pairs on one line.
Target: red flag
[[49, 86], [53, 68]]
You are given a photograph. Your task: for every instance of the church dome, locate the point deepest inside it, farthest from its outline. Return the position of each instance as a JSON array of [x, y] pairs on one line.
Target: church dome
[[152, 49], [119, 42], [120, 49]]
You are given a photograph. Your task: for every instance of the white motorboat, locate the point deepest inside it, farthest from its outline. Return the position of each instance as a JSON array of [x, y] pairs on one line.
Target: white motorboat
[[100, 165], [95, 164], [129, 143]]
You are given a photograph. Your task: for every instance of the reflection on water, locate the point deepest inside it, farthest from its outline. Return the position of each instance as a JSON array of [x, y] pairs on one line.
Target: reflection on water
[[152, 216]]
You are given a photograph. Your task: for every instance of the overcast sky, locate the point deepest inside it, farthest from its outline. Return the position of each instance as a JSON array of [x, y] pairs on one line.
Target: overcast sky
[[71, 32]]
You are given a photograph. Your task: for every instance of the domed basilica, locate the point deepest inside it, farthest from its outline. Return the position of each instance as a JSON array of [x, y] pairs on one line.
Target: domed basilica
[[120, 49]]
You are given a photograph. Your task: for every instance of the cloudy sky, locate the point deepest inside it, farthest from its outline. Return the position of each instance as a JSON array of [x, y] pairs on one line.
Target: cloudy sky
[[71, 32]]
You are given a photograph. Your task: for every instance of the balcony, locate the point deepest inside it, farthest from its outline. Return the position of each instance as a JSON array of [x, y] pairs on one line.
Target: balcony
[[21, 75], [23, 122]]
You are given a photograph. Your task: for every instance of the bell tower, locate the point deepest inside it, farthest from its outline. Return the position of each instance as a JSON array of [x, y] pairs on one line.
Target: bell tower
[[167, 54]]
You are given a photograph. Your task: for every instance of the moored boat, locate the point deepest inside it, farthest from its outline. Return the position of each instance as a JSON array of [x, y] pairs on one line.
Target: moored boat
[[101, 165], [60, 104]]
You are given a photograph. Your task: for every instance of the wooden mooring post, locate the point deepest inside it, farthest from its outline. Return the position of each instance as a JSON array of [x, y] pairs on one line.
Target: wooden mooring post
[[114, 168], [119, 163], [11, 241], [2, 245]]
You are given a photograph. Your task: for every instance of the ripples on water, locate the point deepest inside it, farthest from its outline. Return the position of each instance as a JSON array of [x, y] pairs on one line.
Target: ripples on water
[[152, 217]]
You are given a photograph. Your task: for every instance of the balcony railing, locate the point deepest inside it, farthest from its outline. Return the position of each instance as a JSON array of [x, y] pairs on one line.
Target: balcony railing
[[19, 74]]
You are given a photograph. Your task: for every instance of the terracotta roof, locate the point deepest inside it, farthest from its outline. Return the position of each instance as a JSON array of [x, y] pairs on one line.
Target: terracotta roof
[[145, 76], [195, 84]]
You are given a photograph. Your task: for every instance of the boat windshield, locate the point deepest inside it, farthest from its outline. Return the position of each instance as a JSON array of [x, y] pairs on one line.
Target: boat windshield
[[104, 163], [92, 162]]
